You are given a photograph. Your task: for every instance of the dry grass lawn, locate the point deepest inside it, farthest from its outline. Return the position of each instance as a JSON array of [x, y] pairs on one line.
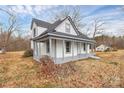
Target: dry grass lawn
[[16, 71]]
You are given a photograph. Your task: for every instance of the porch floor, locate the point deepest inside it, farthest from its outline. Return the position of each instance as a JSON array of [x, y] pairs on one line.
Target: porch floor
[[74, 58]]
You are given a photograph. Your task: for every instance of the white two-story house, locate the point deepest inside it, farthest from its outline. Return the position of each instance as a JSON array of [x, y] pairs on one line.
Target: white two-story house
[[60, 40]]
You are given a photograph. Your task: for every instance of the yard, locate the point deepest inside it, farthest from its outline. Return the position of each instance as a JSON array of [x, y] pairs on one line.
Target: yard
[[16, 71]]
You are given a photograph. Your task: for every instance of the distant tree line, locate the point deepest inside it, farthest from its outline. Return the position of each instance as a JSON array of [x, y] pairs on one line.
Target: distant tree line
[[16, 43], [10, 33], [115, 42]]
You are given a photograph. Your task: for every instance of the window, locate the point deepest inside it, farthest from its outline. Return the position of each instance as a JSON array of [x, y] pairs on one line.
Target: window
[[90, 46], [68, 46], [84, 46], [34, 32], [47, 46], [67, 27]]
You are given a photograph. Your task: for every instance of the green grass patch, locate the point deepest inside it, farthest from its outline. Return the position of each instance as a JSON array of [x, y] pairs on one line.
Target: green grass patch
[[114, 63]]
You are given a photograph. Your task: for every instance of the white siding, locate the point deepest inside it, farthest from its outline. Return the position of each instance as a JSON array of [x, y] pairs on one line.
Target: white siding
[[32, 30], [59, 49], [40, 47], [101, 48], [88, 48], [61, 28], [40, 30], [38, 50], [75, 49], [53, 48], [43, 50]]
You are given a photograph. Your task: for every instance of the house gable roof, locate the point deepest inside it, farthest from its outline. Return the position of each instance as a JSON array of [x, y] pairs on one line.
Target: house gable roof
[[40, 23], [51, 28]]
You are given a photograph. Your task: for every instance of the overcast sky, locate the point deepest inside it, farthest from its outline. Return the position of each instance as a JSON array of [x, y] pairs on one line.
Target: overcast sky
[[112, 15]]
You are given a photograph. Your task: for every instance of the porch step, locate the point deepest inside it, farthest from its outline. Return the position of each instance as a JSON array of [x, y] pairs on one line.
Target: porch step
[[95, 57]]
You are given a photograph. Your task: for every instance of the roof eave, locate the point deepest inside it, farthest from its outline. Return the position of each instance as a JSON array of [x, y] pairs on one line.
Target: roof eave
[[63, 36]]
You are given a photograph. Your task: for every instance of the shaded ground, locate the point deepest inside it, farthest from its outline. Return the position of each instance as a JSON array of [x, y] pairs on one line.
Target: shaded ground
[[16, 71]]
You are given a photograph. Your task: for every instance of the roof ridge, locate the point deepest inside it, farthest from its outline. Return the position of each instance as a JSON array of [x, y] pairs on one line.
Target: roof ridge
[[41, 20]]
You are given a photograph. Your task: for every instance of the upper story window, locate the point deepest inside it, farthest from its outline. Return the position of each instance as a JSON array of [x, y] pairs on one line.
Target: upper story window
[[34, 32], [67, 27]]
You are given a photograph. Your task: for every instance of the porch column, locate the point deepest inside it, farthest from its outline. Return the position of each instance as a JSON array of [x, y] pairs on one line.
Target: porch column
[[77, 47], [50, 47], [95, 48], [63, 48], [80, 49], [55, 51], [72, 49], [92, 46], [86, 45]]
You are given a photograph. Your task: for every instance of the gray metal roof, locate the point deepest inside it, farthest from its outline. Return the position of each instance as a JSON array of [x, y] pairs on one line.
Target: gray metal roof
[[40, 23]]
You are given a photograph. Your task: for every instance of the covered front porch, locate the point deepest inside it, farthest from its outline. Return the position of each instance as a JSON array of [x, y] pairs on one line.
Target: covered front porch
[[61, 52], [74, 58]]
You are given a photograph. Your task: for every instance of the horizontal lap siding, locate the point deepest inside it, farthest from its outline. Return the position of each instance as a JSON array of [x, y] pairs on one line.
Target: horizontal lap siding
[[53, 48], [82, 49], [39, 50], [75, 49], [62, 28], [59, 49]]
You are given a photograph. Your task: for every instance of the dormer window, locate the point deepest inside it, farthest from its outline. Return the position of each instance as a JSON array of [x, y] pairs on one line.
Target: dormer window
[[34, 32], [67, 27]]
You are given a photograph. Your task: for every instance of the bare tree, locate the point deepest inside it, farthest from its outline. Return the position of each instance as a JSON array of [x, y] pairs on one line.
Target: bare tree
[[98, 27], [77, 18], [75, 14], [11, 27]]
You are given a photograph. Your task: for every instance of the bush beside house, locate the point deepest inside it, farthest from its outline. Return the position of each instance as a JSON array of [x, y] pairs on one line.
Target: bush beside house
[[28, 53]]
